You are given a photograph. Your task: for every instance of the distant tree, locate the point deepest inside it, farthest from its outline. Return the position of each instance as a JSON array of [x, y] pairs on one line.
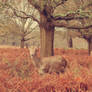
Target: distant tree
[[21, 26], [70, 42], [71, 35], [24, 31], [87, 33], [13, 27]]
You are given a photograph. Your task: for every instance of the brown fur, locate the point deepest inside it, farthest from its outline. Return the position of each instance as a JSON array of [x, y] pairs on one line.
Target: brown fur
[[51, 64]]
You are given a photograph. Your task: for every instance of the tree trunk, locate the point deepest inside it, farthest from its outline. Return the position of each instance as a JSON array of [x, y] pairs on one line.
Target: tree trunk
[[70, 42], [89, 46], [22, 43], [46, 38]]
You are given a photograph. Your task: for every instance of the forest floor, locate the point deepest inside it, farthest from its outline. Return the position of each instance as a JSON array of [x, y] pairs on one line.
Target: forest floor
[[17, 73]]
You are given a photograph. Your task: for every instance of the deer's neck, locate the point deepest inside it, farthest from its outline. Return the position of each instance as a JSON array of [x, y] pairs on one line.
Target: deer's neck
[[37, 60]]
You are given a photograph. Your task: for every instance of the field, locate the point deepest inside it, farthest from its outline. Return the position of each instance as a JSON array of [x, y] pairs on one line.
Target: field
[[17, 73]]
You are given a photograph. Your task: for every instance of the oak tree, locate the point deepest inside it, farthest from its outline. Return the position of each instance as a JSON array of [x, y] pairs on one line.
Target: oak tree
[[49, 20]]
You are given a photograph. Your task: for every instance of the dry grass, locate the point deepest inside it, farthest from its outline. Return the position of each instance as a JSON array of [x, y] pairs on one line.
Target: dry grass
[[6, 46], [21, 76]]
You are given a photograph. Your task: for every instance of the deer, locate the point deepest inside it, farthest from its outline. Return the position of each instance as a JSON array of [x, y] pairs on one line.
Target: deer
[[50, 64]]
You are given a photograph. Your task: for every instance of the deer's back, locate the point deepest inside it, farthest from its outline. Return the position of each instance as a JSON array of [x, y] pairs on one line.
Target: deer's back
[[53, 64]]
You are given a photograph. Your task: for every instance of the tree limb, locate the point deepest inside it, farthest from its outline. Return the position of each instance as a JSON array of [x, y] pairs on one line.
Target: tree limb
[[35, 5], [58, 4], [67, 25], [70, 18], [28, 32], [24, 15], [26, 39], [79, 14]]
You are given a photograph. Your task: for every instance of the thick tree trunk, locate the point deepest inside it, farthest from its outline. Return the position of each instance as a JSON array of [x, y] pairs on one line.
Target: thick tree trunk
[[89, 46], [46, 38], [22, 43]]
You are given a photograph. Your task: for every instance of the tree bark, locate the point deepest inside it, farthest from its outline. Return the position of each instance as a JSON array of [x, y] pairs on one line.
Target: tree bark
[[89, 46], [46, 38], [22, 43], [70, 42]]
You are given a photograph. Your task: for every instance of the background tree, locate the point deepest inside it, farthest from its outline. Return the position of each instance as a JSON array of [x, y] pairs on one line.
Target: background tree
[[25, 29], [71, 34], [86, 33], [23, 26]]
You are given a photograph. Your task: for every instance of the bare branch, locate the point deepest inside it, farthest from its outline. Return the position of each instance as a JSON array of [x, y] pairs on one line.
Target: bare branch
[[69, 26], [70, 18], [79, 14], [28, 32], [36, 5], [22, 14], [80, 27], [28, 26], [61, 2], [26, 39]]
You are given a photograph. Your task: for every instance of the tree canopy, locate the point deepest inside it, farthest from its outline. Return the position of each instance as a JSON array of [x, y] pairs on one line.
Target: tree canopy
[[48, 7]]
